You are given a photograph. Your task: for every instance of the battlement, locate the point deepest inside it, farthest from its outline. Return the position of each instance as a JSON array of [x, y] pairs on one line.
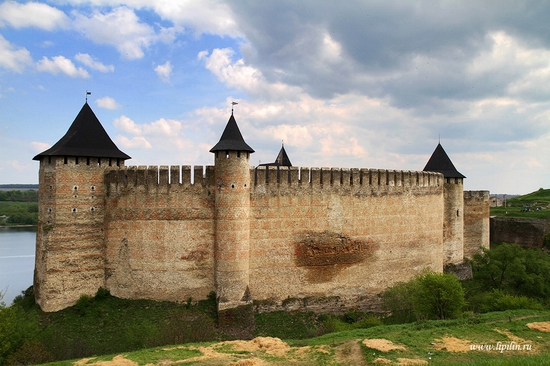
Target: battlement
[[476, 195], [157, 177], [265, 177], [268, 178], [83, 161]]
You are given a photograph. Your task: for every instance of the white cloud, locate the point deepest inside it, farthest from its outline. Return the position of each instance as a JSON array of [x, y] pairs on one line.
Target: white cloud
[[126, 125], [138, 142], [107, 103], [236, 75], [31, 14], [161, 127], [39, 147], [61, 64], [12, 58], [121, 28], [93, 64], [164, 71]]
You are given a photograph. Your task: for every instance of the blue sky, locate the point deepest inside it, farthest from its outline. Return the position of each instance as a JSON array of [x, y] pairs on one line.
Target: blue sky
[[344, 84]]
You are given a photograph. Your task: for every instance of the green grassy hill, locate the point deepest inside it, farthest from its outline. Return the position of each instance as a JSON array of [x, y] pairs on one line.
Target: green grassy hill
[[532, 205], [519, 337]]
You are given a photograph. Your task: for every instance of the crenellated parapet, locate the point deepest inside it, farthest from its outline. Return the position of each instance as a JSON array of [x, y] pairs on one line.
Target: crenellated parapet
[[357, 181], [158, 178]]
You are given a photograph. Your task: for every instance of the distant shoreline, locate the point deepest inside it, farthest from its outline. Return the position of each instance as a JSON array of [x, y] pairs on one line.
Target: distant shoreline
[[17, 226]]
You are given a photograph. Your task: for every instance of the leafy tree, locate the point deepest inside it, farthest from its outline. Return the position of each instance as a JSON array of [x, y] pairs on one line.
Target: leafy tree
[[438, 296], [514, 270]]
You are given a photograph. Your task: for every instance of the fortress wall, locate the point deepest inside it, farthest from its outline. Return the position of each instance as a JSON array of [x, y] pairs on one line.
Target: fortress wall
[[342, 234], [69, 245], [476, 222], [159, 230]]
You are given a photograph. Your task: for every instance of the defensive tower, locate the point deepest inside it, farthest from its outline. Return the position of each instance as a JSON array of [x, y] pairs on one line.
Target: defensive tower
[[232, 217], [453, 195], [69, 237]]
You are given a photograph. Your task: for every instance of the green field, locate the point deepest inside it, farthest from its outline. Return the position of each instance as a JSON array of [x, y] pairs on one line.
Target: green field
[[534, 205], [449, 342]]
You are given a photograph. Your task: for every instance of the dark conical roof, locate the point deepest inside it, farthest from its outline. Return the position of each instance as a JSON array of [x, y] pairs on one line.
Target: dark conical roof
[[282, 159], [87, 138], [441, 163], [231, 139]]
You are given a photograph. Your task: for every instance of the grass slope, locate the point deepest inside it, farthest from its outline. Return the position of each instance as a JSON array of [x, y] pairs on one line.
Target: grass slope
[[515, 207], [433, 342]]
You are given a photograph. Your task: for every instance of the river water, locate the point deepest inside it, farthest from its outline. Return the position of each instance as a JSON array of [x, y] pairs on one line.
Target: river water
[[17, 248]]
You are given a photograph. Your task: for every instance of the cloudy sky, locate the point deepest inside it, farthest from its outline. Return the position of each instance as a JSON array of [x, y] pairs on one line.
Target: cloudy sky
[[364, 84]]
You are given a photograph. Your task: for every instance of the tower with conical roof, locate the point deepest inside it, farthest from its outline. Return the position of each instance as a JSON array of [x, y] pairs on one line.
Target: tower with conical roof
[[281, 160], [232, 217], [69, 237], [453, 214]]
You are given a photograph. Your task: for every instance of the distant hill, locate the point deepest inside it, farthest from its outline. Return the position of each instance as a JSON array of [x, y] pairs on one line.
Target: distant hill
[[18, 187], [532, 205]]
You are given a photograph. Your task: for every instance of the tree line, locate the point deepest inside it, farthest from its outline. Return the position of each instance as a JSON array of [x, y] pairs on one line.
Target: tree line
[[18, 207], [19, 196]]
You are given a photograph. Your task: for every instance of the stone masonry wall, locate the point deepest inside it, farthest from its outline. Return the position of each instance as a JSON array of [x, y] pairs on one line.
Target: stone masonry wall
[[334, 239], [453, 224], [530, 233], [159, 233], [70, 255], [330, 237], [476, 222]]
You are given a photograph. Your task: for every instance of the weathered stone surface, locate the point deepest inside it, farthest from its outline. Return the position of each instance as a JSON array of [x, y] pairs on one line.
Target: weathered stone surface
[[526, 232], [331, 239]]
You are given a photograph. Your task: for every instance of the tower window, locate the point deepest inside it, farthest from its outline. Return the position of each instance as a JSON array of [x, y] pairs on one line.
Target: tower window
[[227, 154], [74, 210], [238, 154]]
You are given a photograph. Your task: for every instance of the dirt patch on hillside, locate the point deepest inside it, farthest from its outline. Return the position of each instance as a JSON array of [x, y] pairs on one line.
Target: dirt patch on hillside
[[510, 335], [271, 346], [382, 345], [116, 361], [452, 344], [350, 353], [540, 326], [411, 361]]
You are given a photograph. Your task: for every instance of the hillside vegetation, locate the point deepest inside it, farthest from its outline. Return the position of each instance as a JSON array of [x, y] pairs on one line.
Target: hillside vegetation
[[518, 337], [432, 315], [18, 207], [532, 205]]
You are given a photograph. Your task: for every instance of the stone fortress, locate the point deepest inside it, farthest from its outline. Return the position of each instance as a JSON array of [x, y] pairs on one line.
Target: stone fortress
[[272, 237]]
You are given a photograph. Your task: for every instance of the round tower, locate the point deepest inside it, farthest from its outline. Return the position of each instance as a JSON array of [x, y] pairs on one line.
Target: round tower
[[453, 205], [69, 259], [232, 213]]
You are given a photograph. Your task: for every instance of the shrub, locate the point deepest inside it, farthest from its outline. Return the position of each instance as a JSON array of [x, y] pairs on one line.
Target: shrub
[[102, 293], [438, 296], [429, 295], [83, 304], [398, 300], [16, 327]]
